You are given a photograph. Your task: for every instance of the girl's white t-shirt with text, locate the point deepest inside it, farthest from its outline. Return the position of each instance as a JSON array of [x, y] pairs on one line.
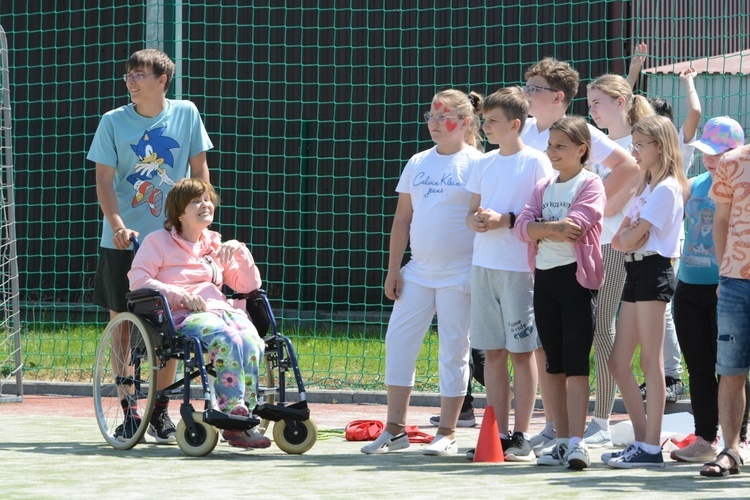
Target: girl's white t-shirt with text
[[556, 202], [441, 242], [662, 207]]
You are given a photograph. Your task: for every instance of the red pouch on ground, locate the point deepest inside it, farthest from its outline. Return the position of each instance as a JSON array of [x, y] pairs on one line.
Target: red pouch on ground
[[689, 439], [363, 430], [417, 436]]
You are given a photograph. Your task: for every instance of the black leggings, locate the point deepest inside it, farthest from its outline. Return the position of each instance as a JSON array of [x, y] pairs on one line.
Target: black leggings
[[564, 315], [476, 372], [695, 325]]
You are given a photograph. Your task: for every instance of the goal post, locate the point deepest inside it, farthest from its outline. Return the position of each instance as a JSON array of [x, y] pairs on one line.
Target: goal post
[[11, 363]]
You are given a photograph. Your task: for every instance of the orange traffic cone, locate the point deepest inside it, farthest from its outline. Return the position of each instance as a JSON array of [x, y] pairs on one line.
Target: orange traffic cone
[[489, 448]]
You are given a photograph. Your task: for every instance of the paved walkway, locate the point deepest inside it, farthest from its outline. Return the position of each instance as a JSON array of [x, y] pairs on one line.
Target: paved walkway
[[50, 447]]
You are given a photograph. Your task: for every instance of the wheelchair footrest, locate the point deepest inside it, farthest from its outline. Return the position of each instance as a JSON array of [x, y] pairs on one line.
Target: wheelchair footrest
[[223, 420], [296, 411]]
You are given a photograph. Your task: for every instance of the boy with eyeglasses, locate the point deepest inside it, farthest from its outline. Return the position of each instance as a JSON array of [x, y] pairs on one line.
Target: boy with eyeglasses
[[141, 150], [550, 87]]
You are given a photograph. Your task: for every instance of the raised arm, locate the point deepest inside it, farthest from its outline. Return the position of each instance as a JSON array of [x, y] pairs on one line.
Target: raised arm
[[690, 125], [240, 271], [636, 63]]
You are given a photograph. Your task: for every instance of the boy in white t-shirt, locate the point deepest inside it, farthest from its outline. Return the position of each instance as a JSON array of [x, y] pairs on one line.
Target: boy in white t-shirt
[[550, 87], [502, 310]]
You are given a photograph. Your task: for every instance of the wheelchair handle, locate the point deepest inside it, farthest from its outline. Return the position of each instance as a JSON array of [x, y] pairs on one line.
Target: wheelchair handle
[[136, 244]]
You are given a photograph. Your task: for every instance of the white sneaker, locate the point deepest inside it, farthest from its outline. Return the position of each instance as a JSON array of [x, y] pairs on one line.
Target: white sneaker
[[595, 436], [698, 451], [577, 457], [441, 446], [555, 454], [386, 442], [542, 440]]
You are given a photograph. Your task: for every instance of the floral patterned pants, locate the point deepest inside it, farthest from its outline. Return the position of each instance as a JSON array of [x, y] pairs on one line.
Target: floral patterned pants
[[235, 349]]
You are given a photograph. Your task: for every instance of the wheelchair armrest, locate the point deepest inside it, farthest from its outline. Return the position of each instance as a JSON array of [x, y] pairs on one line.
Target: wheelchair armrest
[[142, 294], [258, 309], [152, 305], [249, 295]]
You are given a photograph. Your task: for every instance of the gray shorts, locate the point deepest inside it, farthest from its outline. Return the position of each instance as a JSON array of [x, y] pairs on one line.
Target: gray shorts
[[502, 310]]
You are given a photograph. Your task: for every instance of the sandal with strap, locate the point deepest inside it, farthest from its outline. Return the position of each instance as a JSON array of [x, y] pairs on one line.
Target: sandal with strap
[[723, 471]]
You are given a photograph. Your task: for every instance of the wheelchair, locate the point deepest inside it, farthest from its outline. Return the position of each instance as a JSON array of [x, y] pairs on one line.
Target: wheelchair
[[141, 341]]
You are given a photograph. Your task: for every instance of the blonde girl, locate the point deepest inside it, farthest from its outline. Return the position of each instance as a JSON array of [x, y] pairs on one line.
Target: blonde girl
[[649, 237], [614, 107]]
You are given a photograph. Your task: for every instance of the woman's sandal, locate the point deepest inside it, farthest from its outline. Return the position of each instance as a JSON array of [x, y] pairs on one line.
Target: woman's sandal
[[723, 471]]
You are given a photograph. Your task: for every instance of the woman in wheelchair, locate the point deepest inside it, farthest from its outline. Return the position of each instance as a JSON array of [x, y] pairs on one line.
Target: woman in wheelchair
[[189, 263]]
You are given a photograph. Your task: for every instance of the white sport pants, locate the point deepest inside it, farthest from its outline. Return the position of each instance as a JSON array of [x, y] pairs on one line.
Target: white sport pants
[[410, 320]]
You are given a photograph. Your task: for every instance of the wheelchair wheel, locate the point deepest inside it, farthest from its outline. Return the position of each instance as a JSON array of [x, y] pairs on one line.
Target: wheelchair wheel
[[202, 443], [125, 370], [294, 436]]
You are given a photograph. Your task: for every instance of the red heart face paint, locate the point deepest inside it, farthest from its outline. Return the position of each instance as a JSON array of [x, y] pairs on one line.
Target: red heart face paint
[[437, 105], [451, 125]]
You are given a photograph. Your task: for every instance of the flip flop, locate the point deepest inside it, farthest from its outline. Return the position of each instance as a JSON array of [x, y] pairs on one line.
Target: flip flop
[[723, 471]]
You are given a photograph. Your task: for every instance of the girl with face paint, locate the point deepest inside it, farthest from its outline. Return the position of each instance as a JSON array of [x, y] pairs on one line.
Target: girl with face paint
[[430, 218]]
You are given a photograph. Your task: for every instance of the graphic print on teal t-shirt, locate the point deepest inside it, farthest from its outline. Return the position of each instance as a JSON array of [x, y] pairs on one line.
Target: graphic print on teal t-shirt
[[698, 265], [153, 155], [699, 248]]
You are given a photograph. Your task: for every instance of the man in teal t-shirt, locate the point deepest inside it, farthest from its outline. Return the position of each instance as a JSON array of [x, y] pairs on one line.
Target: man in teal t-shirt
[[140, 151]]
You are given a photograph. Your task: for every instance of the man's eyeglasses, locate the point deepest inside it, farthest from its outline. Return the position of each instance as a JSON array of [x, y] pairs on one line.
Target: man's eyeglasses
[[440, 118], [136, 77], [635, 148], [533, 89]]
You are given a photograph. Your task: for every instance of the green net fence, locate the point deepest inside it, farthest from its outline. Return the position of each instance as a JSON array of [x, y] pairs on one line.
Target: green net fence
[[313, 108]]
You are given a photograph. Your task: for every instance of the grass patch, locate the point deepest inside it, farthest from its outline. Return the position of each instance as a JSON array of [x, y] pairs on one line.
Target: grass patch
[[341, 358]]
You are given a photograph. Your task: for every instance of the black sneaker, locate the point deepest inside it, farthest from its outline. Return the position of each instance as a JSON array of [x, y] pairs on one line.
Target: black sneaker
[[675, 389], [162, 428], [519, 449], [127, 429], [505, 443], [465, 419]]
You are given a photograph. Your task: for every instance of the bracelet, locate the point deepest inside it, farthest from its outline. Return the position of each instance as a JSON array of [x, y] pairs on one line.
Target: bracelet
[[512, 220], [115, 231]]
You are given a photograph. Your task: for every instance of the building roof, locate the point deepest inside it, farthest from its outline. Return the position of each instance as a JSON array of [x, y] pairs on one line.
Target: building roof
[[737, 63]]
